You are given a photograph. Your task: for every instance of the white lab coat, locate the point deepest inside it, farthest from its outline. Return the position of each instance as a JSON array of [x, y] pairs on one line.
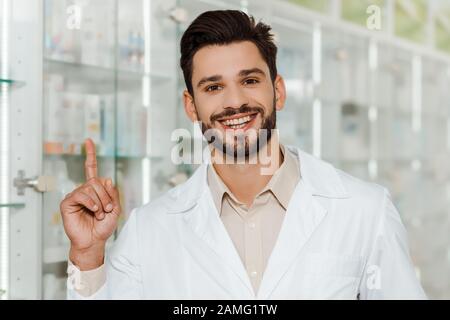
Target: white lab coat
[[341, 238]]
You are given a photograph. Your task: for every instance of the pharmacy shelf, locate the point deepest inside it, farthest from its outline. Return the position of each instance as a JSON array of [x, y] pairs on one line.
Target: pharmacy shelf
[[14, 205], [12, 84], [397, 160], [347, 160], [407, 113], [102, 78], [391, 110], [331, 103], [101, 156]]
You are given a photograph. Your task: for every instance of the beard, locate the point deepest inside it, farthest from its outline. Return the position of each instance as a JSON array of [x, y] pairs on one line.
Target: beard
[[240, 145]]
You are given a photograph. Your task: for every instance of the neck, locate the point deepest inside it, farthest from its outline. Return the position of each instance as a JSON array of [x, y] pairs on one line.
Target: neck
[[246, 180]]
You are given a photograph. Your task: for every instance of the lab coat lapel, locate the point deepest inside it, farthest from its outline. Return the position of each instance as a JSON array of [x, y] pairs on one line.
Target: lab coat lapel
[[303, 216], [217, 238], [206, 238], [319, 180]]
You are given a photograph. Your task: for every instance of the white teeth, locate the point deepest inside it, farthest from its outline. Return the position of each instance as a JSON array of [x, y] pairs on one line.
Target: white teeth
[[237, 126], [236, 121]]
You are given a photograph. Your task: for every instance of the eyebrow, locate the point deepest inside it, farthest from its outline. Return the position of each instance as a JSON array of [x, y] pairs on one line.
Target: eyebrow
[[242, 73]]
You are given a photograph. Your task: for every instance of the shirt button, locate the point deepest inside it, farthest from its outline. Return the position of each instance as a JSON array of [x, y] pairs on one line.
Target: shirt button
[[253, 274], [251, 225]]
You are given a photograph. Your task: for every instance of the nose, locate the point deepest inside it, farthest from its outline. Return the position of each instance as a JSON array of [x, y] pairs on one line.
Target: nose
[[234, 97]]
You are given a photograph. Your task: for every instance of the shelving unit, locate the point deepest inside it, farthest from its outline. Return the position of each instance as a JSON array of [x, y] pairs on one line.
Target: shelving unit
[[106, 80], [396, 131]]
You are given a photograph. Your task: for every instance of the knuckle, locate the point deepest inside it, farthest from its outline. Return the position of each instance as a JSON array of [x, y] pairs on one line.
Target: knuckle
[[89, 188], [91, 181], [102, 192], [105, 200], [89, 195], [96, 184], [86, 190], [90, 162], [83, 195], [77, 196]]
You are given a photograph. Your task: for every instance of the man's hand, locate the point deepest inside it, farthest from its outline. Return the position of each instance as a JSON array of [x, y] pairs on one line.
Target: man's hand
[[90, 215]]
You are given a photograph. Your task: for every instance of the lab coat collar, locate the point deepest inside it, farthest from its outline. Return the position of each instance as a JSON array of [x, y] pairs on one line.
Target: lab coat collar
[[319, 177]]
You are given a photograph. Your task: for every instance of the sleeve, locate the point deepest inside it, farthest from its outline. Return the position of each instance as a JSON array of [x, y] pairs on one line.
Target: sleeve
[[123, 273], [389, 272]]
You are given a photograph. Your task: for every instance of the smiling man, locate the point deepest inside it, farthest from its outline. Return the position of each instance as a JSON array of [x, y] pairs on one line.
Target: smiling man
[[234, 230]]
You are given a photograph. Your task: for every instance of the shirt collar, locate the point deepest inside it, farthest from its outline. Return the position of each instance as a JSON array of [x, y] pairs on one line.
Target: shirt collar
[[281, 185], [284, 180]]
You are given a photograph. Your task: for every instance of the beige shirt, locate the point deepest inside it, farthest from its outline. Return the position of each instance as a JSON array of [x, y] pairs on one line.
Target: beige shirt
[[252, 230]]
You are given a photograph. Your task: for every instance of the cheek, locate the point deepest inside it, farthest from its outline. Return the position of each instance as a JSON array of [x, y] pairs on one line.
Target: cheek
[[270, 100], [206, 107], [265, 97]]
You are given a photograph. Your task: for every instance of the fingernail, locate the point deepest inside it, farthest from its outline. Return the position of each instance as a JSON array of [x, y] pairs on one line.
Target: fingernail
[[109, 207], [109, 182], [101, 216], [95, 207]]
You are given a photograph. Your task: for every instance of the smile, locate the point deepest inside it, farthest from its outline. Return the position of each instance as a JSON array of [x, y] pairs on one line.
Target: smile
[[238, 121]]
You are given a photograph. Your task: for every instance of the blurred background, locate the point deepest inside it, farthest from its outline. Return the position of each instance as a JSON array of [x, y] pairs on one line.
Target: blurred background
[[368, 90]]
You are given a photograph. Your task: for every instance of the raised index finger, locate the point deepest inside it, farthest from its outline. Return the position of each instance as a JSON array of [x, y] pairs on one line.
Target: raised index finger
[[90, 166]]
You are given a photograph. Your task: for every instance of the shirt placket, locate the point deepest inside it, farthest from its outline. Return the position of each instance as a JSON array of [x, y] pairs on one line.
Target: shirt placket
[[252, 244]]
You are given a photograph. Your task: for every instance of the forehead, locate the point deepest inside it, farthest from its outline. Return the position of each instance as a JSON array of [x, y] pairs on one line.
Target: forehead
[[227, 60]]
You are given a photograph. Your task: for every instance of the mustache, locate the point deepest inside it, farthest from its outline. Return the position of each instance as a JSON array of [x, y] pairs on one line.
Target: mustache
[[231, 112]]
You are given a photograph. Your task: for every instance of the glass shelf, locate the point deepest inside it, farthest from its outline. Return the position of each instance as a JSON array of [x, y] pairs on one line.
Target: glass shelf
[[15, 205], [82, 69], [13, 84], [380, 159], [101, 156]]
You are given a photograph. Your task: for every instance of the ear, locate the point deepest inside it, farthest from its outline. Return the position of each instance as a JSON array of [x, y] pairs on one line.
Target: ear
[[189, 106], [280, 92]]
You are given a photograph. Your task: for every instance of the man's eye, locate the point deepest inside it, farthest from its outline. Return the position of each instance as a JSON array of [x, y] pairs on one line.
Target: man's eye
[[212, 88], [251, 81]]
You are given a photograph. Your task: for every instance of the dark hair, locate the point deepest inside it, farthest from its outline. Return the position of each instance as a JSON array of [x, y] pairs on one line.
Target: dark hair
[[221, 27]]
